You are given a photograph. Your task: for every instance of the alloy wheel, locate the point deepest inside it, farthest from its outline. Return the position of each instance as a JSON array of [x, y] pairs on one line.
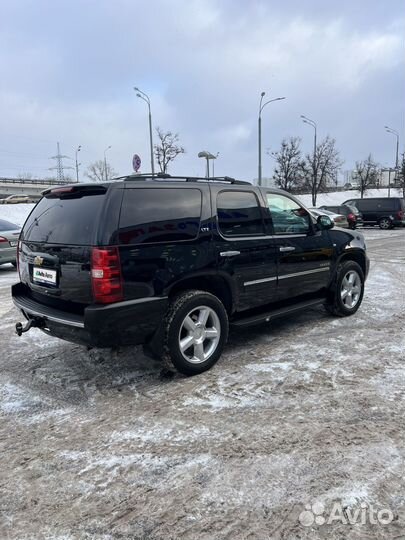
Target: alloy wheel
[[199, 334], [351, 289]]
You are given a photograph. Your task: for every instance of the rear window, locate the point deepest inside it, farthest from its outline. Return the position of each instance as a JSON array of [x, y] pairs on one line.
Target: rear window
[[64, 221], [159, 215], [7, 226]]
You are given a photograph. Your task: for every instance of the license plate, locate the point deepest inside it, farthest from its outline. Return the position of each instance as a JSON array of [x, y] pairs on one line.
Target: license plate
[[43, 275], [13, 244]]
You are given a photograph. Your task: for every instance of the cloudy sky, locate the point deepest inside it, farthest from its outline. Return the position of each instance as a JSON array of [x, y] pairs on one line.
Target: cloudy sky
[[68, 69]]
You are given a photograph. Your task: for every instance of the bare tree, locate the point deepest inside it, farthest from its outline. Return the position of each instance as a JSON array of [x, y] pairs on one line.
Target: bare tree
[[289, 164], [322, 168], [366, 173], [97, 172], [167, 149]]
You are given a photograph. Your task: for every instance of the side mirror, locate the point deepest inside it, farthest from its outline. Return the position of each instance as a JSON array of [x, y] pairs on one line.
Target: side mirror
[[324, 222]]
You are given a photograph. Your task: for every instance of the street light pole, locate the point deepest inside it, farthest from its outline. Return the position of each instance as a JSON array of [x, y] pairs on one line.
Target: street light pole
[[259, 126], [213, 164], [145, 98], [207, 156], [313, 124], [77, 164], [396, 134], [105, 163]]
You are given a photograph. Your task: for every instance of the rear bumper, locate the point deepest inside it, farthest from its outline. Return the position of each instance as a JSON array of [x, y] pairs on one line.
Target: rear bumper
[[132, 322]]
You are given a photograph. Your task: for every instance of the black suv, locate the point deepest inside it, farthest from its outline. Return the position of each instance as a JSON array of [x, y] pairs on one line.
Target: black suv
[[353, 216], [386, 212], [172, 262]]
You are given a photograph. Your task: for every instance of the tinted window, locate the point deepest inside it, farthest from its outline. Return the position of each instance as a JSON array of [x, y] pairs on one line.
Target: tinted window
[[239, 213], [159, 215], [387, 204], [7, 226], [64, 221], [288, 217], [366, 205]]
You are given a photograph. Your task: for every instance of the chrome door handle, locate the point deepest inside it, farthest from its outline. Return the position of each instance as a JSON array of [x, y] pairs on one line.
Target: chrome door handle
[[283, 249], [229, 253]]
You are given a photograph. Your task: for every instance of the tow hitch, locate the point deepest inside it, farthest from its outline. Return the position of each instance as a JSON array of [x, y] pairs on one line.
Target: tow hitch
[[31, 323]]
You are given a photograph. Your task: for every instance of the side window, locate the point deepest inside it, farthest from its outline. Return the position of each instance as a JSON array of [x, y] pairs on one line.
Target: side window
[[386, 205], [239, 213], [159, 215], [288, 217]]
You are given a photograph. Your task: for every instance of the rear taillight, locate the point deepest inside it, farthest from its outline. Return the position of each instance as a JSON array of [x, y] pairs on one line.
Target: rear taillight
[[18, 258], [351, 217], [400, 214], [2, 239], [106, 275]]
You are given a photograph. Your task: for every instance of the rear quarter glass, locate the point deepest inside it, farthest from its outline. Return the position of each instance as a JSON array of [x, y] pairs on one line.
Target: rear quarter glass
[[154, 215]]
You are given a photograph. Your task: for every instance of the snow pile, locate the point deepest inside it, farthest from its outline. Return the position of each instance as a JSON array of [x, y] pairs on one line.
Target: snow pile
[[16, 213], [339, 197]]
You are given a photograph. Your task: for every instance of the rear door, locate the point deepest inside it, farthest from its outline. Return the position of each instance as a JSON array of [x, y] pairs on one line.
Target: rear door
[[304, 253], [244, 249], [55, 245], [164, 236]]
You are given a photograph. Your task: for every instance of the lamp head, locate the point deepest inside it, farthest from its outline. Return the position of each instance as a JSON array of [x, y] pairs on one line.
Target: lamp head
[[263, 94]]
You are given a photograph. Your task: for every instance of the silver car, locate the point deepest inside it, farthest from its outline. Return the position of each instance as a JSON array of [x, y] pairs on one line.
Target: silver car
[[16, 199], [9, 233]]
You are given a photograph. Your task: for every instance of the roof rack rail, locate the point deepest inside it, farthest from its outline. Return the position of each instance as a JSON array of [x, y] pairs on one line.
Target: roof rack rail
[[166, 176]]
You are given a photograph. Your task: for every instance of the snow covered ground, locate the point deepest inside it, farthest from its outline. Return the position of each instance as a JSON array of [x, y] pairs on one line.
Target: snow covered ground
[[99, 445]]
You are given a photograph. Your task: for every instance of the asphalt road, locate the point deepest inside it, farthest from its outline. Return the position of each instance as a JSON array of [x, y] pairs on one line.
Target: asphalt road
[[309, 410]]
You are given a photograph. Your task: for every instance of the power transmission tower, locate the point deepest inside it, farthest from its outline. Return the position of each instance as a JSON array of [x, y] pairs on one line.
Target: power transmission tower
[[59, 165]]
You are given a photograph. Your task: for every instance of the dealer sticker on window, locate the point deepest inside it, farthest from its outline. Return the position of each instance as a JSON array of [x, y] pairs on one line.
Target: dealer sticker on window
[[43, 275]]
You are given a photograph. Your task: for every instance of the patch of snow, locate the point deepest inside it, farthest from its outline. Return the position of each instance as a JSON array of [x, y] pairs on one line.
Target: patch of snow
[[14, 400], [16, 213], [339, 197]]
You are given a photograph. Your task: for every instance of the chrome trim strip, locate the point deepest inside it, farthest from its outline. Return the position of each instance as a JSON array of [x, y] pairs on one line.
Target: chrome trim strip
[[30, 311], [316, 270], [257, 281]]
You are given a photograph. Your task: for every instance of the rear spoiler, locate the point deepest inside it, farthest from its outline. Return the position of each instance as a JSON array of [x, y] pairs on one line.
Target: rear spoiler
[[73, 192]]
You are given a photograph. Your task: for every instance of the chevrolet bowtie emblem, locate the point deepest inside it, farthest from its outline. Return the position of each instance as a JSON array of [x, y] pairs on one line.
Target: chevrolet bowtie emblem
[[38, 260]]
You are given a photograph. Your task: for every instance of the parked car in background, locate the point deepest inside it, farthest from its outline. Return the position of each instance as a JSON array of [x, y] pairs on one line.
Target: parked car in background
[[352, 214], [338, 219], [386, 212], [352, 185], [171, 262], [9, 233], [15, 199]]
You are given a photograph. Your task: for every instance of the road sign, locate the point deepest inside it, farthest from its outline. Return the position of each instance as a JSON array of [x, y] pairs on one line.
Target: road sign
[[136, 162]]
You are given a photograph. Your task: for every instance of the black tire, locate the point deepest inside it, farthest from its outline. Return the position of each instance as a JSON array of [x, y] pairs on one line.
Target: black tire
[[385, 224], [14, 264], [336, 305], [175, 323]]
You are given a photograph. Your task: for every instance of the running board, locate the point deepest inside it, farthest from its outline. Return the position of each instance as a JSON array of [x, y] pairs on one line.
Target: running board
[[276, 313]]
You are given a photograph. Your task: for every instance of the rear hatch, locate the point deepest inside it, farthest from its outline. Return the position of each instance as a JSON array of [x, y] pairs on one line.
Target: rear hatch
[[56, 243]]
